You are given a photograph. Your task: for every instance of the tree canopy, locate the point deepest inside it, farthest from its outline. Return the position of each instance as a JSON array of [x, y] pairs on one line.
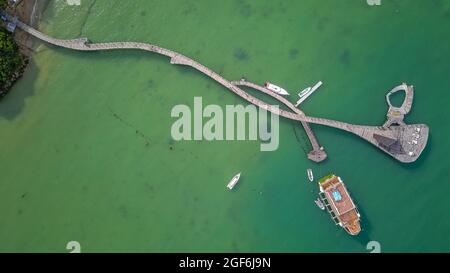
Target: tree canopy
[[3, 3], [11, 61]]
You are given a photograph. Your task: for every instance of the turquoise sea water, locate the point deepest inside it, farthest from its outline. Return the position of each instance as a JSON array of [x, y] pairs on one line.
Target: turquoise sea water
[[86, 152]]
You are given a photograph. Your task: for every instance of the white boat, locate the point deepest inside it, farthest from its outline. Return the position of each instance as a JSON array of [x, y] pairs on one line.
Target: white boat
[[305, 93], [310, 175], [275, 88], [233, 181], [319, 204]]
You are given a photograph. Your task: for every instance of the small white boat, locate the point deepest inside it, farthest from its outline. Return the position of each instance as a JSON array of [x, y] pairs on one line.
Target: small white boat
[[319, 204], [275, 88], [304, 92], [310, 175], [233, 181]]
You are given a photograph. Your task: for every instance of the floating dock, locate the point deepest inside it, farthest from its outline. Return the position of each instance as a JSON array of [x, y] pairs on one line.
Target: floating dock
[[305, 95]]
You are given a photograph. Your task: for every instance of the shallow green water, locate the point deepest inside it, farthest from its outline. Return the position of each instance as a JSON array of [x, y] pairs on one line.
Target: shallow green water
[[86, 147]]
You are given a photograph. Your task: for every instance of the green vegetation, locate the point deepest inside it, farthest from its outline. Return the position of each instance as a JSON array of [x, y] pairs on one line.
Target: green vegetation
[[11, 61], [325, 178], [3, 3]]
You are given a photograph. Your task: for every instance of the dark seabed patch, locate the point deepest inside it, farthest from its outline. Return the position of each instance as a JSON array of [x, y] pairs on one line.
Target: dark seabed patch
[[191, 8], [323, 23], [281, 7], [438, 3], [240, 54], [447, 14], [244, 8], [293, 53], [344, 58], [235, 247], [123, 211]]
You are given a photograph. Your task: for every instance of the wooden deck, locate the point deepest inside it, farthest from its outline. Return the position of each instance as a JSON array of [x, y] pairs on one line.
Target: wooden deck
[[344, 209], [317, 154]]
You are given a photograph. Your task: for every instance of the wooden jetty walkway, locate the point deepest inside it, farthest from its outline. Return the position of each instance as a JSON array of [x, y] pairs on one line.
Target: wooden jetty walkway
[[403, 142], [317, 154]]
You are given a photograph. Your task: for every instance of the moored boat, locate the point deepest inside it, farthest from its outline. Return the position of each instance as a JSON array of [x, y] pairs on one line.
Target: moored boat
[[319, 204], [275, 88], [304, 91], [310, 175], [233, 181], [339, 204]]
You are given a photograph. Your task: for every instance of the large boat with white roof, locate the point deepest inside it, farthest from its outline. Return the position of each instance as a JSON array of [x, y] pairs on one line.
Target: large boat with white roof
[[339, 204]]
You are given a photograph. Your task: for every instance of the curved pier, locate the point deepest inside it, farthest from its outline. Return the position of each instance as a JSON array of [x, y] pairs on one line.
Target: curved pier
[[395, 115], [404, 142], [317, 154]]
